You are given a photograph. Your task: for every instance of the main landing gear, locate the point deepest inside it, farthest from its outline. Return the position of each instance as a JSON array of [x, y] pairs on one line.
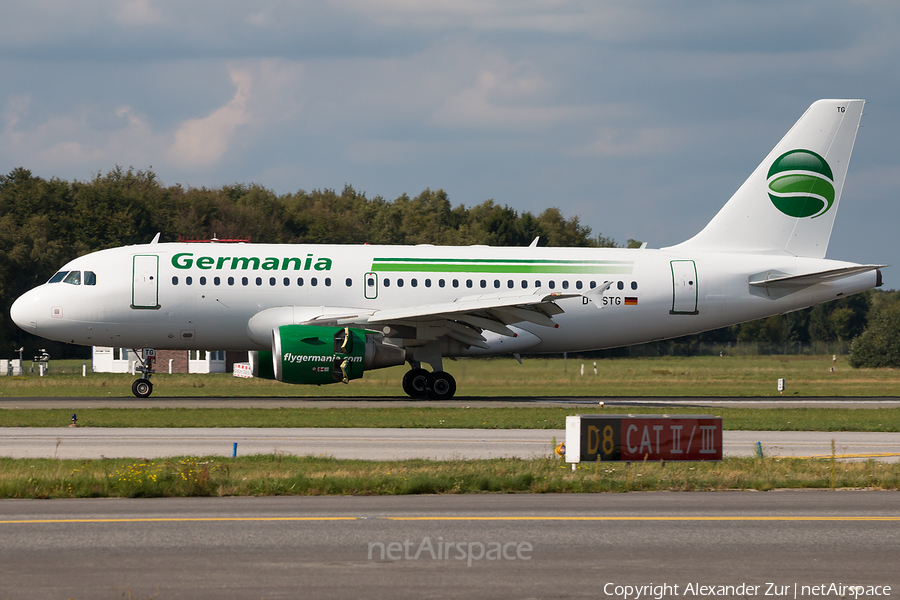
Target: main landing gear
[[142, 388], [419, 383]]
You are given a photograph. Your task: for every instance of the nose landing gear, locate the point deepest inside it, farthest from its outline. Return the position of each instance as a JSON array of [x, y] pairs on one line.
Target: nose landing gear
[[142, 388]]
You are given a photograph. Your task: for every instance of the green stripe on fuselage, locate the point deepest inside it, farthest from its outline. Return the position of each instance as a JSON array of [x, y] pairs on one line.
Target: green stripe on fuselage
[[483, 265]]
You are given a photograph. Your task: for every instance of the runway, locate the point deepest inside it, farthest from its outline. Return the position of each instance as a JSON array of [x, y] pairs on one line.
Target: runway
[[491, 546], [386, 443], [581, 403]]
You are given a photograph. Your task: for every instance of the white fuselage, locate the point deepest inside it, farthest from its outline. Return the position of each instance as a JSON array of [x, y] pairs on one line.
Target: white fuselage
[[202, 296]]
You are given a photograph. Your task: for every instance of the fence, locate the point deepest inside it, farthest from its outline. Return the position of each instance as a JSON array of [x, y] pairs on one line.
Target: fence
[[682, 348]]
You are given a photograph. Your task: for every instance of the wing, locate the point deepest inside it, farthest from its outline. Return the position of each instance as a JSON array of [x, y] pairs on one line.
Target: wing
[[464, 319]]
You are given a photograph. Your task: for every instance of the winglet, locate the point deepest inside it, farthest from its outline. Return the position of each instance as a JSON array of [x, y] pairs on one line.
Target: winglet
[[596, 293]]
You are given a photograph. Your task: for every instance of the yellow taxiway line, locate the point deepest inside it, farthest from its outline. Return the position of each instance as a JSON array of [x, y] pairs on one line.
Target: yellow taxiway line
[[840, 456], [444, 518]]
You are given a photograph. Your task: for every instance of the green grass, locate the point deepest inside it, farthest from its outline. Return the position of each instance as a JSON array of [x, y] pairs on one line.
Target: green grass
[[737, 376], [268, 475], [538, 417]]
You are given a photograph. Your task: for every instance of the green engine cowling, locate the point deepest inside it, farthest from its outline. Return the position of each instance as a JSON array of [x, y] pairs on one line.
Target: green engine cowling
[[309, 354]]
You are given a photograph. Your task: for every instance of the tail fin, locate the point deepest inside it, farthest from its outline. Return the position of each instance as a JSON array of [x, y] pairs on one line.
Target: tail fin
[[788, 204]]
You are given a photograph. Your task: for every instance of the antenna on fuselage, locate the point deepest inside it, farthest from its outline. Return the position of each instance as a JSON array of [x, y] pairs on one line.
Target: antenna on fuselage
[[156, 238], [534, 242]]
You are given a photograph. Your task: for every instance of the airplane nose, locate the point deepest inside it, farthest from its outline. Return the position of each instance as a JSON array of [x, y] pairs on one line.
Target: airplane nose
[[24, 312]]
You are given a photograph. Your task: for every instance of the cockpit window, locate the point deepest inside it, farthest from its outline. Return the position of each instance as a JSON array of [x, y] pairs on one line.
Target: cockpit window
[[74, 277], [58, 277], [90, 278]]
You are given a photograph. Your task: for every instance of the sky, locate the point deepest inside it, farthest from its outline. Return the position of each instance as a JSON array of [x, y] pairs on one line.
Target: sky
[[639, 117]]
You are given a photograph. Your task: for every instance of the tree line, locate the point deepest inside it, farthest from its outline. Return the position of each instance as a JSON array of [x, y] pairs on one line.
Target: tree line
[[44, 223]]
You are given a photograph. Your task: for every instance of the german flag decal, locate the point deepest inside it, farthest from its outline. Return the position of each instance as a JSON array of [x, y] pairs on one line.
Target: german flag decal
[[630, 301]]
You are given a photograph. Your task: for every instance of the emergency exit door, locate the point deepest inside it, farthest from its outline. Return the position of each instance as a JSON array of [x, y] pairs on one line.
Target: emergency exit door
[[145, 282], [684, 287], [371, 286]]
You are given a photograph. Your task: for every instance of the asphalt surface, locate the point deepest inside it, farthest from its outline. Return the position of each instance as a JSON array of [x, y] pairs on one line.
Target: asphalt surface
[[387, 443], [491, 546], [475, 546], [579, 402]]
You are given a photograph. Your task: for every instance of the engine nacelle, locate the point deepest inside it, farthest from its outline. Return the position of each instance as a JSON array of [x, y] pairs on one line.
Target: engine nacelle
[[317, 355], [261, 364]]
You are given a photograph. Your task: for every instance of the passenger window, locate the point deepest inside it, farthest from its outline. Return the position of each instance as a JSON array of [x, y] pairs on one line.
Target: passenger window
[[203, 281], [428, 283], [510, 284], [217, 280], [441, 282], [386, 281], [524, 285], [328, 281], [565, 285], [259, 281], [188, 280], [90, 278], [634, 285], [300, 282], [456, 283], [231, 281], [537, 283], [174, 281], [271, 281], [552, 284], [578, 285], [483, 283], [497, 284], [348, 282], [58, 277], [620, 285], [313, 281], [399, 282], [414, 282], [287, 281], [468, 283], [74, 278], [244, 281]]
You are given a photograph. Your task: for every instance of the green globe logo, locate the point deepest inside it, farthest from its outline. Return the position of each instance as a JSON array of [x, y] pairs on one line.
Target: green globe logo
[[801, 184]]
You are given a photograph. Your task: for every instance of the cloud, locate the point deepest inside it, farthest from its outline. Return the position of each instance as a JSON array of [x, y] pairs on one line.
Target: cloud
[[203, 142], [624, 142], [505, 96], [534, 103], [137, 12], [16, 109]]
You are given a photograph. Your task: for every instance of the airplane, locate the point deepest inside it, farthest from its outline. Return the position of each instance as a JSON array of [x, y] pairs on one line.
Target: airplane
[[319, 314]]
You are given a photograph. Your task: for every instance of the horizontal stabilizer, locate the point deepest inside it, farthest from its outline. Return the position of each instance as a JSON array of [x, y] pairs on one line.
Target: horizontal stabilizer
[[782, 280]]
